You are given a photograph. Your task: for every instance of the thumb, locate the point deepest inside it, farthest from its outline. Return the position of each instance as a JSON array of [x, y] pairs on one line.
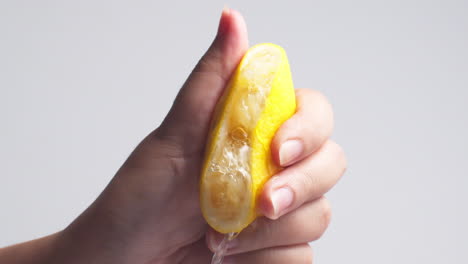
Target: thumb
[[189, 117]]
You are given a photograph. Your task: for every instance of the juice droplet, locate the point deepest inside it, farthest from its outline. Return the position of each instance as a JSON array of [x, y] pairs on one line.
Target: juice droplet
[[220, 252]]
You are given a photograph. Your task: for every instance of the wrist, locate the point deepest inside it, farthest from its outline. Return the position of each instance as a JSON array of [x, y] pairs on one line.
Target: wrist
[[109, 232], [92, 238], [38, 251]]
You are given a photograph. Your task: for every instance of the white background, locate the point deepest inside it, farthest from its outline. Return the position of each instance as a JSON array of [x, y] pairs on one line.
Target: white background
[[81, 82]]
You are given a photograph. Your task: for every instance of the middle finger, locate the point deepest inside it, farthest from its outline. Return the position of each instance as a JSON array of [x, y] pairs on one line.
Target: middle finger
[[305, 181]]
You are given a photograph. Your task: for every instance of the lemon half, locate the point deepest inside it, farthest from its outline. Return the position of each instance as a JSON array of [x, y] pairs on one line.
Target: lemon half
[[258, 99]]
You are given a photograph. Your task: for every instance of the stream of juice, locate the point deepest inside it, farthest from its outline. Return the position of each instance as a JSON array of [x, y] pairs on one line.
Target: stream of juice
[[222, 248]]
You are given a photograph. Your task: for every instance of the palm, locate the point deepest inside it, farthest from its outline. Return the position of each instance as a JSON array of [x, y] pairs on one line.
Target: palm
[[171, 176]]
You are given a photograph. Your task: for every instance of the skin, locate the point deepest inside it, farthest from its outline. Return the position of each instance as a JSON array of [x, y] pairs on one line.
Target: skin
[[149, 213]]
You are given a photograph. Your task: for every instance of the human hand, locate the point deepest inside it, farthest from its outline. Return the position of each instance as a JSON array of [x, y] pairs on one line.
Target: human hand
[[149, 213]]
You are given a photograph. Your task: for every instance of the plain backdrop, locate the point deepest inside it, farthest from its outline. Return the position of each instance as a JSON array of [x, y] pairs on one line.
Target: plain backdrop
[[81, 82]]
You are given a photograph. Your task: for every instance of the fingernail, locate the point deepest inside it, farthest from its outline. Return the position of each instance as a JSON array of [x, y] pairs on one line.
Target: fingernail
[[223, 22], [281, 199], [290, 152]]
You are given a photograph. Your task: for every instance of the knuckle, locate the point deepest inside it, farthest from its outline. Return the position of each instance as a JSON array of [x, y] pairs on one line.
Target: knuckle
[[323, 219], [319, 98], [322, 98], [342, 159], [307, 254], [340, 156], [326, 213]]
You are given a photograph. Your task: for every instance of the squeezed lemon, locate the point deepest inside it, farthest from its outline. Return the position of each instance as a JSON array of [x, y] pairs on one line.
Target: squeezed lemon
[[258, 99]]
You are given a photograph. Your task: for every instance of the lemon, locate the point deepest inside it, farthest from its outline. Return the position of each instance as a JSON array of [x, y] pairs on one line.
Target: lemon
[[258, 99]]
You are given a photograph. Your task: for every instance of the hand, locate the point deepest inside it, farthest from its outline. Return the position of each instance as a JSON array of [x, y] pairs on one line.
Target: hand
[[149, 213]]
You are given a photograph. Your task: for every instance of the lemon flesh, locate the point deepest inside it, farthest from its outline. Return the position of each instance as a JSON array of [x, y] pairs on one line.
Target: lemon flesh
[[258, 99]]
